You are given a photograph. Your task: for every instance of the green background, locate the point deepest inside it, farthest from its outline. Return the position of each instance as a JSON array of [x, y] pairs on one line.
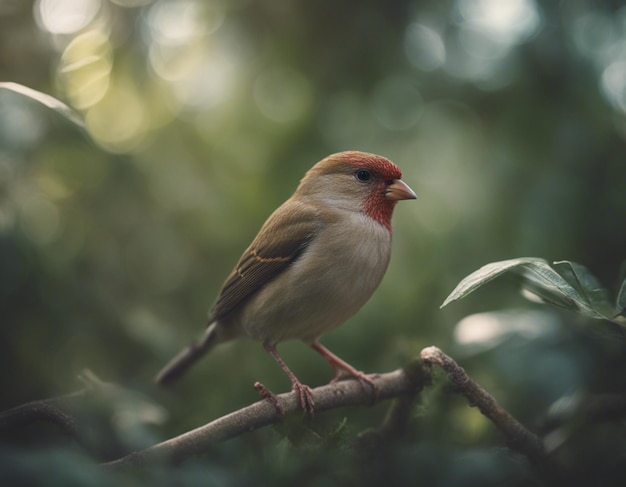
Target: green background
[[507, 119]]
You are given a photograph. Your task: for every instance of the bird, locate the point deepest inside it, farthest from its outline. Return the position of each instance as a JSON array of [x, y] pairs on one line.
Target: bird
[[315, 262]]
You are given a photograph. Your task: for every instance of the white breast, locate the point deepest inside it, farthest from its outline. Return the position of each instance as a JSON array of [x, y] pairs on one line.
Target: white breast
[[325, 286]]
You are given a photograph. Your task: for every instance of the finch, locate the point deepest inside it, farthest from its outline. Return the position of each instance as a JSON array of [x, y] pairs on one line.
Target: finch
[[315, 262]]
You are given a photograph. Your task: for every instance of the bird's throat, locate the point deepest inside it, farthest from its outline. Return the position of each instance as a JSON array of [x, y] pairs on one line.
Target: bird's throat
[[380, 210]]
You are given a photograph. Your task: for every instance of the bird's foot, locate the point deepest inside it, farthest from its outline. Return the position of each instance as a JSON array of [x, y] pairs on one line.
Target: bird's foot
[[339, 366], [304, 393], [271, 397], [306, 397]]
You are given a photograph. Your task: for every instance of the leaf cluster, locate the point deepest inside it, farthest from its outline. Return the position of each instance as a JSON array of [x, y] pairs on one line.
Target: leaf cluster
[[565, 284]]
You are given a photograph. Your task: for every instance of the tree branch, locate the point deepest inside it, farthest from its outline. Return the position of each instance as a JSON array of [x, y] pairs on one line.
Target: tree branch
[[46, 410], [263, 413], [402, 384], [517, 437]]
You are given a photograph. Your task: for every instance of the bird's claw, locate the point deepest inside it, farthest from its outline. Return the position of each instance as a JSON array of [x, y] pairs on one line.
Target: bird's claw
[[304, 393], [306, 397]]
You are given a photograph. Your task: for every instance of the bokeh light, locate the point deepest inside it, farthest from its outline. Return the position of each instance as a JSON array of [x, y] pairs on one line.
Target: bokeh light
[[488, 32], [601, 39], [66, 16], [482, 331], [181, 22], [85, 68], [209, 81], [131, 3], [508, 23], [119, 130], [424, 47], [613, 84]]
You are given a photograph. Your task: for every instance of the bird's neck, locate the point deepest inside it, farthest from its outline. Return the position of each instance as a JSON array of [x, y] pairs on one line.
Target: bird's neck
[[380, 210]]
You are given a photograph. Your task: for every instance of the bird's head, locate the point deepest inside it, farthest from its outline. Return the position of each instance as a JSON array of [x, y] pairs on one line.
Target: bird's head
[[357, 181]]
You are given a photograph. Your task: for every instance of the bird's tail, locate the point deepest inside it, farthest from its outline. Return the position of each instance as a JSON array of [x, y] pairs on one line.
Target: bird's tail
[[187, 357]]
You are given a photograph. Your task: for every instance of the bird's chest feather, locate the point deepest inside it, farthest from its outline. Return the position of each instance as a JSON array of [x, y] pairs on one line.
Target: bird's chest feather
[[326, 285], [349, 260]]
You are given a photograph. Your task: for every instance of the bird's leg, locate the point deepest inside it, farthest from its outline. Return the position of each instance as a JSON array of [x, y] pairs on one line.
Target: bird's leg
[[338, 364], [304, 392]]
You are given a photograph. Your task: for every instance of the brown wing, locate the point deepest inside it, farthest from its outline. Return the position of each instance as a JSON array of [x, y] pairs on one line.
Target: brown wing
[[279, 243]]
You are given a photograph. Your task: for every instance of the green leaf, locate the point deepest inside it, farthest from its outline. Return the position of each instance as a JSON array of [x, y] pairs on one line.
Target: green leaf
[[485, 274], [47, 100], [578, 291], [547, 284], [595, 296]]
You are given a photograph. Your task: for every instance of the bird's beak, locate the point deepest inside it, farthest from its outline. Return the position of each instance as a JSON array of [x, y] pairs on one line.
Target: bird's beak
[[399, 190]]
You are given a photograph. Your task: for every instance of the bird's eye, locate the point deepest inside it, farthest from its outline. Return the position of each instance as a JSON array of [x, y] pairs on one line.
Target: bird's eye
[[363, 175]]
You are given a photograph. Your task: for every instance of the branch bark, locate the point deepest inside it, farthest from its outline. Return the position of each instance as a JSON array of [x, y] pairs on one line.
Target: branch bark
[[263, 413], [35, 411], [402, 384], [517, 437]]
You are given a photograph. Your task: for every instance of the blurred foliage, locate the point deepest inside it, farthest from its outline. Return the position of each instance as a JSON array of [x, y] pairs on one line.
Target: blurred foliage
[[508, 118]]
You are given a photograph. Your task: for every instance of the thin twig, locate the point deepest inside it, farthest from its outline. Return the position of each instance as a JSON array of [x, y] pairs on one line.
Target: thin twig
[[517, 437], [44, 410], [36, 411]]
